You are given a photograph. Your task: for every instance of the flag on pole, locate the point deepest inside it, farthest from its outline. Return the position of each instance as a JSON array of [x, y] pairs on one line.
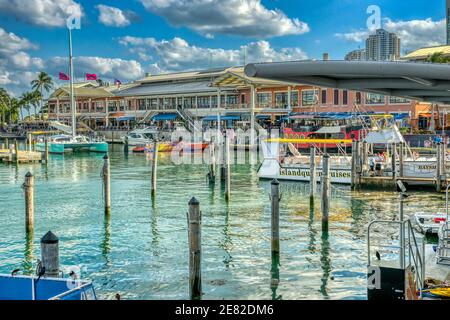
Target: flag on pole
[[63, 76], [117, 82], [91, 76]]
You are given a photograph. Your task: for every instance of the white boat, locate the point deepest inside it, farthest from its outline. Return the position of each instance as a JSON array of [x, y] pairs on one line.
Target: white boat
[[427, 223], [63, 143], [297, 167], [140, 137]]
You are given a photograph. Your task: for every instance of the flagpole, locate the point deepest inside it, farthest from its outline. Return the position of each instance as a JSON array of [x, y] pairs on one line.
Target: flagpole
[[72, 100]]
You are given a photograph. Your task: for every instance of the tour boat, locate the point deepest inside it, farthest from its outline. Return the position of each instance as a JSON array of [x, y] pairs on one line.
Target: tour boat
[[296, 167], [178, 146], [18, 287]]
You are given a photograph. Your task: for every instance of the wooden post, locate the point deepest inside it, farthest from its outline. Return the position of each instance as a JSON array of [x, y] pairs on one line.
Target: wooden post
[[401, 157], [212, 165], [106, 173], [7, 143], [325, 205], [438, 168], [312, 173], [46, 151], [275, 199], [50, 255], [195, 249], [28, 188], [154, 166], [364, 157], [29, 141], [353, 175], [393, 160], [228, 170], [16, 150], [223, 162], [126, 147]]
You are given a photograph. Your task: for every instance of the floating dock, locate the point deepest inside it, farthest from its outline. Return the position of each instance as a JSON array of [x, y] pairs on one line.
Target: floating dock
[[9, 156]]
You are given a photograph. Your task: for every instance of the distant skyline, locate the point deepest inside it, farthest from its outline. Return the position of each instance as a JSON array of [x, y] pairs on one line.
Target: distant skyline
[[126, 39]]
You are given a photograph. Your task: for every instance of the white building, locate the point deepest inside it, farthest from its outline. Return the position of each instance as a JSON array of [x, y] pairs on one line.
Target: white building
[[383, 46]]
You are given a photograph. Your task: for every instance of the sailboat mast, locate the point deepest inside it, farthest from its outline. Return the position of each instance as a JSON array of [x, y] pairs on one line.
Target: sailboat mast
[[72, 98]]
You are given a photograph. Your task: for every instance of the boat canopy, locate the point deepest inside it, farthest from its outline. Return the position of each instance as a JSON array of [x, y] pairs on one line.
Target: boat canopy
[[385, 136], [129, 118], [165, 117], [329, 130]]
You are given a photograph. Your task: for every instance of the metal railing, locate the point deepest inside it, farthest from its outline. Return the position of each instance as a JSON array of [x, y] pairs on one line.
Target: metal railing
[[410, 252]]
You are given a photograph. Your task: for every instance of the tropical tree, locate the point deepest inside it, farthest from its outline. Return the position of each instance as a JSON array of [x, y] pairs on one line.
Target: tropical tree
[[438, 57], [5, 100], [25, 101], [41, 83], [13, 110], [36, 101]]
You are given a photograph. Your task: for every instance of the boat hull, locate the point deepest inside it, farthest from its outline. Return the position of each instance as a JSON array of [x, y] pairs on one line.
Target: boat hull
[[60, 148]]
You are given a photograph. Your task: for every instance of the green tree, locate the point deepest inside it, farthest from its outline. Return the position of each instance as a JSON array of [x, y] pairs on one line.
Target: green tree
[[438, 57], [13, 110], [36, 101], [41, 83], [26, 99], [5, 100]]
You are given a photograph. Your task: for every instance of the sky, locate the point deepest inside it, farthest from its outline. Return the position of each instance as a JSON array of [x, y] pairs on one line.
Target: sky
[[126, 39]]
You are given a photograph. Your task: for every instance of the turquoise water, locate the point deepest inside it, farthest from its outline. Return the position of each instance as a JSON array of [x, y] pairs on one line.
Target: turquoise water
[[141, 252]]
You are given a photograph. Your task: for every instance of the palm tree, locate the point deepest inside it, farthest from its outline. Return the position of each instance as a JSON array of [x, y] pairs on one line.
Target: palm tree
[[438, 57], [13, 110], [43, 82], [5, 100], [25, 100], [36, 101]]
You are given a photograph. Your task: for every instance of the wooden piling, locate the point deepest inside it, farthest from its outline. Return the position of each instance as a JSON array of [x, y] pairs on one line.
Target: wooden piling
[[16, 152], [7, 143], [438, 168], [46, 151], [106, 174], [212, 165], [394, 160], [275, 226], [228, 170], [353, 175], [223, 170], [312, 173], [50, 255], [401, 155], [126, 146], [28, 188], [195, 249], [154, 166], [29, 141], [325, 204], [364, 157]]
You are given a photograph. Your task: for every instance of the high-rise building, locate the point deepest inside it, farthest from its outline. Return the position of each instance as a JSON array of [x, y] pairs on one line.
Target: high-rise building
[[383, 46], [447, 14], [356, 55]]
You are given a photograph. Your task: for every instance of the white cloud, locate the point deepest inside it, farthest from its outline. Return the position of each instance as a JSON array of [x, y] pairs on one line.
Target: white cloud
[[114, 17], [177, 54], [233, 17], [49, 13], [105, 68], [414, 34], [10, 42]]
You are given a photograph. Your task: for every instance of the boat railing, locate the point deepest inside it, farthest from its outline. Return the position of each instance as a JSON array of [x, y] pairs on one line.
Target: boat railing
[[410, 253]]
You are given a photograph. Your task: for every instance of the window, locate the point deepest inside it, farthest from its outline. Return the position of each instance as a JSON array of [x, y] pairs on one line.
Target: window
[[141, 104], [324, 97], [233, 100], [336, 97], [203, 102], [358, 98], [345, 97], [309, 97], [373, 98], [264, 99], [281, 99], [398, 100]]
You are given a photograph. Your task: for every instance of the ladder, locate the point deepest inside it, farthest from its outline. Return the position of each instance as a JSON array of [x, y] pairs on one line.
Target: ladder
[[188, 119], [443, 249]]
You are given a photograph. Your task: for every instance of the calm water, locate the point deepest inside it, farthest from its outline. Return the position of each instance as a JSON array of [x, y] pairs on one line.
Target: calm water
[[142, 251]]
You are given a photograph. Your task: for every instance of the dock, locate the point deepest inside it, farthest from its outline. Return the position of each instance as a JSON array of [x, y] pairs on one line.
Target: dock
[[9, 156]]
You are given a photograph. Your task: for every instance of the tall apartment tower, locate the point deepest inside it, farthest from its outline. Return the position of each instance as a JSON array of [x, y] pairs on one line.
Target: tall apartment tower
[[447, 14], [383, 46]]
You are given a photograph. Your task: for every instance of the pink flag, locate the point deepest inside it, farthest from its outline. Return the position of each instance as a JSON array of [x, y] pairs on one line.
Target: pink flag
[[91, 76], [63, 76]]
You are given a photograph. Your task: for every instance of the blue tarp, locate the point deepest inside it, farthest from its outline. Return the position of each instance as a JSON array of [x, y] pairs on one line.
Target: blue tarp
[[263, 116], [165, 117], [223, 118], [126, 118]]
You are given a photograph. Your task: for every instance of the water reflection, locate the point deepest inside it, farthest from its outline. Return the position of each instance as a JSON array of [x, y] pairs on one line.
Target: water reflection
[[311, 231], [227, 243], [27, 264], [106, 243], [275, 276], [325, 262]]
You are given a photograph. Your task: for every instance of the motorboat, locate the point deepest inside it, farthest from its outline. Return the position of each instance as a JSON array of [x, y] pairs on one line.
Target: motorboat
[[140, 137], [427, 223]]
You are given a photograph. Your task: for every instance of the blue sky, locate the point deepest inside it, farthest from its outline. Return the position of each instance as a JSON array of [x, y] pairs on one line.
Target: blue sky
[[126, 39]]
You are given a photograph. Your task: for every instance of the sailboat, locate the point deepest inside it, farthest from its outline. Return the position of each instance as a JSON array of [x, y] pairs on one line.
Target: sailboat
[[71, 142]]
